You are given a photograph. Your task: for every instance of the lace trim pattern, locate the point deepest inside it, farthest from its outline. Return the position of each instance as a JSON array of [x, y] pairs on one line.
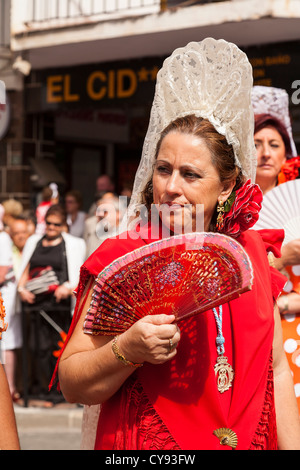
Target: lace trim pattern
[[140, 427], [265, 437]]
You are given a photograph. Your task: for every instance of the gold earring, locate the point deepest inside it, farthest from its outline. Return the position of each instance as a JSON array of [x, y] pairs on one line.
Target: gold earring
[[220, 218]]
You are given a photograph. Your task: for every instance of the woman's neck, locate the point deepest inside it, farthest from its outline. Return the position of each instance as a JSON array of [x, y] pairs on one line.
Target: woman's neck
[[52, 241]]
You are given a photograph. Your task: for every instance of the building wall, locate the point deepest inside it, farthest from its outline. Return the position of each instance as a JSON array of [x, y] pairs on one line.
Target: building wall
[[92, 79]]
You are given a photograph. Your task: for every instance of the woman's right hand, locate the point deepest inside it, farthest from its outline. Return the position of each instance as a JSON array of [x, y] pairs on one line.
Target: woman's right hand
[[148, 340], [26, 296], [89, 371]]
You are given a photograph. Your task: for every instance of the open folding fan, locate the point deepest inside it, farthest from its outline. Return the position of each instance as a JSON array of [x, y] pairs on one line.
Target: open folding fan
[[281, 210], [181, 275]]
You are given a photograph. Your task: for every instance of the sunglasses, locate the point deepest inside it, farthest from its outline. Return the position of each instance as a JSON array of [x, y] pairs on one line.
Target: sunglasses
[[52, 223]]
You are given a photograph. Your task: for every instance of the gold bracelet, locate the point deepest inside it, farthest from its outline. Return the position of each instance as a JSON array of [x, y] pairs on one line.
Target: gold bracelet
[[120, 356]]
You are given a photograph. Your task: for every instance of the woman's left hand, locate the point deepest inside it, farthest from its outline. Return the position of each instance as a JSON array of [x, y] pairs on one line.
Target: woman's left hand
[[62, 292], [290, 254]]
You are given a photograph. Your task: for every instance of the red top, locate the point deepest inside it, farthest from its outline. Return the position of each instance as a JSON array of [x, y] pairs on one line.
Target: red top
[[176, 405]]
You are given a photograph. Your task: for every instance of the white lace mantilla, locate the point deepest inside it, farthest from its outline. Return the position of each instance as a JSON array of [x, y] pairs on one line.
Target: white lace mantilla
[[213, 80], [274, 101]]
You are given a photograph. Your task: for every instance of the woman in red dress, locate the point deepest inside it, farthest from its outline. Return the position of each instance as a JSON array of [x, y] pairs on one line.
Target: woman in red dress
[[157, 382]]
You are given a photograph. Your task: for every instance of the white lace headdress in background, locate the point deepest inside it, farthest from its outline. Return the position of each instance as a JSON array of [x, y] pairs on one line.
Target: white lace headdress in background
[[274, 101], [213, 80]]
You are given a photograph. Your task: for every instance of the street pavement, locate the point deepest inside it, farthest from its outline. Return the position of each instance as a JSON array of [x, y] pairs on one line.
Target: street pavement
[[56, 428]]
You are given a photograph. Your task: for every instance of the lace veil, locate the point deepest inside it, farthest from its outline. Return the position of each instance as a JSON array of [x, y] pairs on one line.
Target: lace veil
[[274, 101], [213, 80]]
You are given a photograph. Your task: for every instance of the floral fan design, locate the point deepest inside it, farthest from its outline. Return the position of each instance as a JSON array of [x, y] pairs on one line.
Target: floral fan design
[[281, 210], [181, 275]]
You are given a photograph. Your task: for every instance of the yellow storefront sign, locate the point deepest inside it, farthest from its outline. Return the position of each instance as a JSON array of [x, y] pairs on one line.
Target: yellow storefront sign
[[113, 84]]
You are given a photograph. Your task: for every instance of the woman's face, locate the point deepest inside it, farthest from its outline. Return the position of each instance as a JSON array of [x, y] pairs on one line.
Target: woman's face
[[270, 150], [71, 205], [54, 226], [184, 177]]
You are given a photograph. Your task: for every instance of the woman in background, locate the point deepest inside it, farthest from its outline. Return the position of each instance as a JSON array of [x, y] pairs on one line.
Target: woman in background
[[64, 254], [278, 163], [75, 216]]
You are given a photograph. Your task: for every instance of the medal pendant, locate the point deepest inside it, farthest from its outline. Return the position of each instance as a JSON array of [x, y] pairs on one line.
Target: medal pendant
[[224, 373]]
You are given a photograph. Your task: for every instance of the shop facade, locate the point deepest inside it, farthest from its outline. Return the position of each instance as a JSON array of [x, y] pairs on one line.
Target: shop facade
[[83, 109], [92, 119]]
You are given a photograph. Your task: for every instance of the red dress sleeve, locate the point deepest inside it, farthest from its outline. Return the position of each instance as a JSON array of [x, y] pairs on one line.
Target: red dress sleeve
[[107, 252], [273, 240]]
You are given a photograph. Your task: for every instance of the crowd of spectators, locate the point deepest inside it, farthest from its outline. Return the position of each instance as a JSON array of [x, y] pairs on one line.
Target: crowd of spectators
[[41, 251]]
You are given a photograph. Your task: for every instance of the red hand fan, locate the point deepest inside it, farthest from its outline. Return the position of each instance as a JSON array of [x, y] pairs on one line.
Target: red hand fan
[[181, 275]]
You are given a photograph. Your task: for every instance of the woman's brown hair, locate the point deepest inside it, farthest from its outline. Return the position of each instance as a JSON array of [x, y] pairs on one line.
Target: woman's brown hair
[[59, 211]]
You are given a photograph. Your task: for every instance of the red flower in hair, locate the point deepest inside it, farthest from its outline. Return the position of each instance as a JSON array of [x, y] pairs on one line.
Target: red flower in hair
[[244, 211], [290, 170]]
